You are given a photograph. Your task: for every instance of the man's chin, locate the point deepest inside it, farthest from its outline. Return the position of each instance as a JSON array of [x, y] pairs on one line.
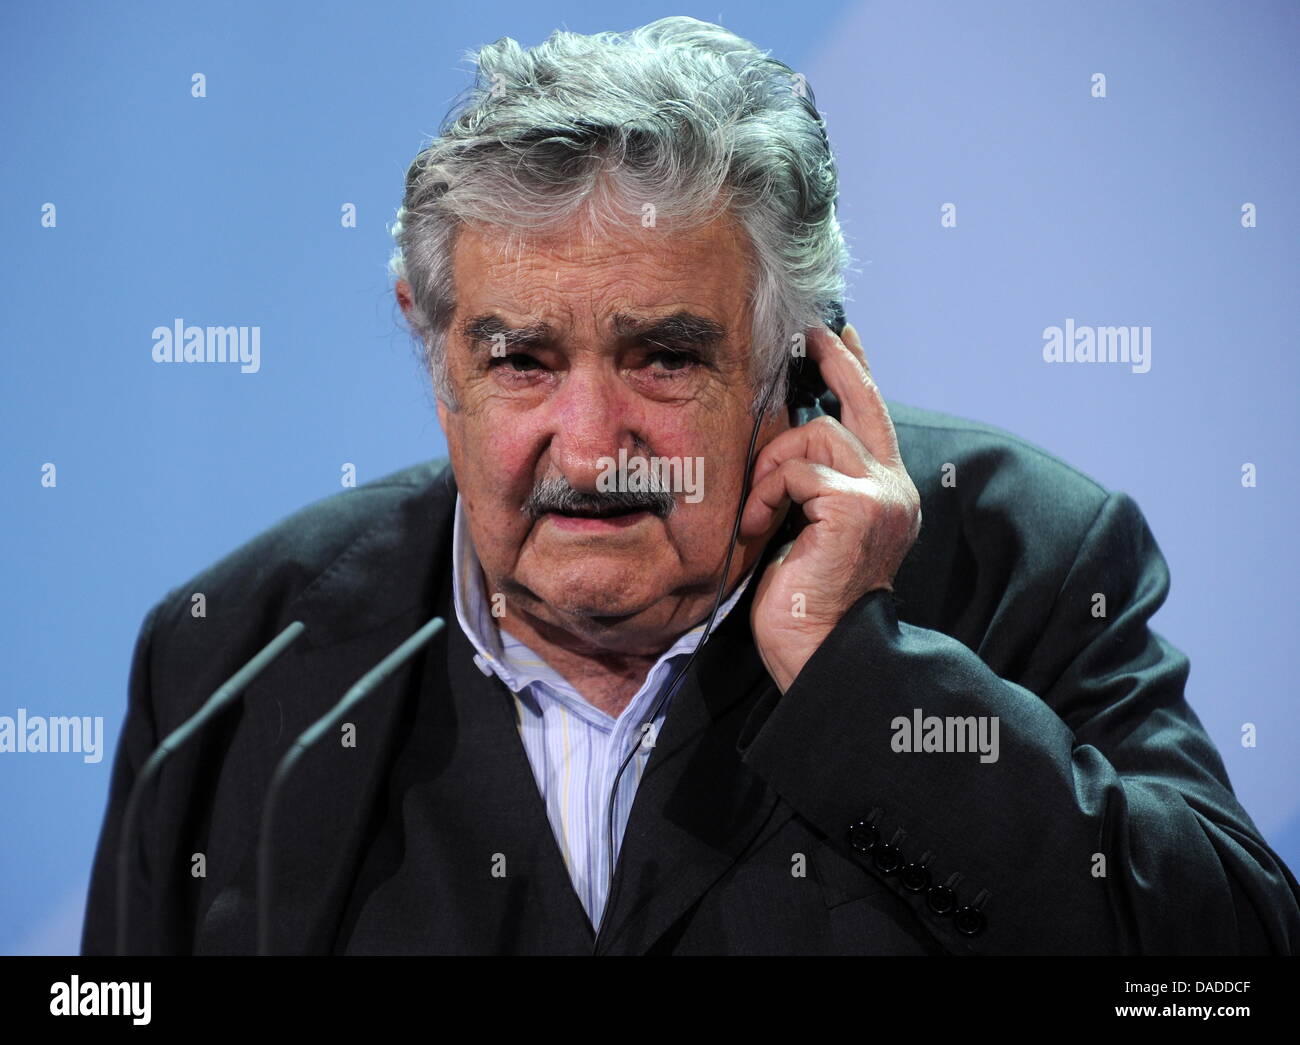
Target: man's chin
[[594, 589], [587, 603]]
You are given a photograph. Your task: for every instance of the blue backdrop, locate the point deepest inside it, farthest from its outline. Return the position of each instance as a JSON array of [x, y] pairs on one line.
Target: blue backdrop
[[1122, 210]]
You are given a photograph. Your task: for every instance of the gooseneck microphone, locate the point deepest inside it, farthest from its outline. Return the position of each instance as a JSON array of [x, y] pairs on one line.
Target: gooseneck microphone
[[325, 724], [224, 695]]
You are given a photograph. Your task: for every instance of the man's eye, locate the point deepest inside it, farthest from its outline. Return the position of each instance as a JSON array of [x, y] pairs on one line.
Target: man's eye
[[515, 361], [672, 361]]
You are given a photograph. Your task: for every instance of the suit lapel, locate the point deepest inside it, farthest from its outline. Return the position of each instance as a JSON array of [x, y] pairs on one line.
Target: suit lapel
[[698, 806], [534, 907]]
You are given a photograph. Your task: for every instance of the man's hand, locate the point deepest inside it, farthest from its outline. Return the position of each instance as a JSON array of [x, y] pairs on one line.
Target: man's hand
[[863, 511]]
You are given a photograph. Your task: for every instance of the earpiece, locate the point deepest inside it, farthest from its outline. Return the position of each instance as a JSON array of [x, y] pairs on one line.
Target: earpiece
[[808, 396], [835, 318]]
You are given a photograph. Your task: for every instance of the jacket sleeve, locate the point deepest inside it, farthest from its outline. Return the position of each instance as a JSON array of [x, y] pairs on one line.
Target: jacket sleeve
[[1107, 824], [136, 742]]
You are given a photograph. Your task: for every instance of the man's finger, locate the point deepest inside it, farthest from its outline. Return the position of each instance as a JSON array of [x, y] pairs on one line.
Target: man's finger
[[824, 440], [862, 407], [797, 480]]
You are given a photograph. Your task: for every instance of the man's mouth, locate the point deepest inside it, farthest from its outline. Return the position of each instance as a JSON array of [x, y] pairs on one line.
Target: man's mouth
[[594, 520], [600, 513]]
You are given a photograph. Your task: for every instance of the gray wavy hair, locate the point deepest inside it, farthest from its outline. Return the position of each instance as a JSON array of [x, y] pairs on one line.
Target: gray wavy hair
[[680, 114]]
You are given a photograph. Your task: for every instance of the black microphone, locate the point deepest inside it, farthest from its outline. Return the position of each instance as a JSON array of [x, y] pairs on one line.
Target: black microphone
[[325, 724], [224, 695]]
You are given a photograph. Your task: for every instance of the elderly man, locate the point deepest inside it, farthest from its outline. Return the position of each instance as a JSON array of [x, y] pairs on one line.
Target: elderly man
[[679, 706]]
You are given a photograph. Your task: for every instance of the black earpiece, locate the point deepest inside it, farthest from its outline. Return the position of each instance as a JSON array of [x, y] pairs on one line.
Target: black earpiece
[[808, 396], [835, 318]]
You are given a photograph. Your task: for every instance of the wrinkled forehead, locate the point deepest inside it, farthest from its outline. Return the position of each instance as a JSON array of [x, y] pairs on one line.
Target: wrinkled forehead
[[642, 267]]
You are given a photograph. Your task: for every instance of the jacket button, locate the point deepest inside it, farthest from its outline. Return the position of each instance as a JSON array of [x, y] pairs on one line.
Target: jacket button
[[970, 921], [863, 836], [888, 858], [914, 877], [940, 899]]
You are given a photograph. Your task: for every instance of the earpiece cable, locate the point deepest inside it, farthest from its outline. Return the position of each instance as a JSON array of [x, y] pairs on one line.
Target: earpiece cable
[[708, 631]]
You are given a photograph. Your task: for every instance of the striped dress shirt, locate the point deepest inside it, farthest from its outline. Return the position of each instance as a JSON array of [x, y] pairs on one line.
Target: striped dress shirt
[[574, 748]]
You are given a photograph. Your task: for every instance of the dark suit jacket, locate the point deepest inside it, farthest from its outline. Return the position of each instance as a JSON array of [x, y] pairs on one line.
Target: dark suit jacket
[[388, 847]]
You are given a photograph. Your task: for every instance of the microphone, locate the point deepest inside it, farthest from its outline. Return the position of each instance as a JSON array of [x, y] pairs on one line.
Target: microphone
[[326, 723], [224, 695]]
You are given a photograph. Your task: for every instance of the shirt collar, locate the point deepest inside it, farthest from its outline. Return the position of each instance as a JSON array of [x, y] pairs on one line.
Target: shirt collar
[[510, 660]]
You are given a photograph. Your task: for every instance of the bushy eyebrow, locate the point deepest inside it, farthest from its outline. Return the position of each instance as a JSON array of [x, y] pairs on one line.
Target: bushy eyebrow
[[485, 329], [680, 330]]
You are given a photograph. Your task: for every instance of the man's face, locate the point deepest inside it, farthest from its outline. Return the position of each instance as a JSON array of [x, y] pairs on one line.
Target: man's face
[[637, 341]]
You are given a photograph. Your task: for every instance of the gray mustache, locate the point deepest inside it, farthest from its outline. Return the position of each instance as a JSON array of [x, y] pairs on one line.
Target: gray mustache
[[554, 494]]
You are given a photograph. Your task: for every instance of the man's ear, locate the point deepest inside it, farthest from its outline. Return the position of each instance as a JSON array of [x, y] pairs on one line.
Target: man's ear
[[407, 302], [404, 298]]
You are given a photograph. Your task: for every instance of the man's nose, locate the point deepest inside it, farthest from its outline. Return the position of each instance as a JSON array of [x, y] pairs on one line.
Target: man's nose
[[593, 419]]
